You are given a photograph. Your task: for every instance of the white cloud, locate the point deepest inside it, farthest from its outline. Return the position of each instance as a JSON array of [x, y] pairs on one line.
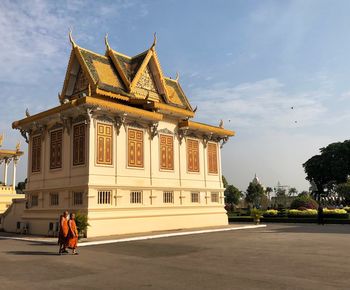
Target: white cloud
[[344, 96], [34, 34], [264, 103]]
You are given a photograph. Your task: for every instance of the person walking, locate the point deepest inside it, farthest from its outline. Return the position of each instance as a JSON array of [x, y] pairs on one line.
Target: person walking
[[73, 235], [63, 233]]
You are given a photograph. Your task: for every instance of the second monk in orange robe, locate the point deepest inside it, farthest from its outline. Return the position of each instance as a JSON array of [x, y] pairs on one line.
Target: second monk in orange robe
[[73, 234]]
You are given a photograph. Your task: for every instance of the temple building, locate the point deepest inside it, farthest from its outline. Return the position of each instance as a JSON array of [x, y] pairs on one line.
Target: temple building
[[8, 190], [121, 147]]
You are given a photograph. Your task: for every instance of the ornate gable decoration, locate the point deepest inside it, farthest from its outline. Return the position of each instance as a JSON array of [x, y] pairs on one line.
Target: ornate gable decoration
[[146, 81], [81, 83], [121, 77]]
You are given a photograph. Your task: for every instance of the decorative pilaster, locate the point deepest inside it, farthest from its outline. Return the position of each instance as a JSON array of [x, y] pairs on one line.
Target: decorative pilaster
[[6, 164], [15, 159]]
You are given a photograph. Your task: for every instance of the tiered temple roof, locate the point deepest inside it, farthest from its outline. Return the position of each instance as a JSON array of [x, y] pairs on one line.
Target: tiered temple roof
[[132, 85], [6, 154]]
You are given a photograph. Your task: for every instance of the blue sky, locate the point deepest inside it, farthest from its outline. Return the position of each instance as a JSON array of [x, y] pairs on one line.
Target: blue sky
[[246, 62]]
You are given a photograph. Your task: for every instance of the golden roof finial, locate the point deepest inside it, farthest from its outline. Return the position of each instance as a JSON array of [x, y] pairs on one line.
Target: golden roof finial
[[154, 40], [177, 76], [18, 146], [71, 38], [1, 139], [106, 42]]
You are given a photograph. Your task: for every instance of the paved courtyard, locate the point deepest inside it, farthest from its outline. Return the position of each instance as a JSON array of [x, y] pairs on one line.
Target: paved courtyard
[[279, 256]]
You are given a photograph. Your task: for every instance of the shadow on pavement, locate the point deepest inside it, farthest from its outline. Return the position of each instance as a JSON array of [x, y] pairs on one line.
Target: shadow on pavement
[[32, 253]]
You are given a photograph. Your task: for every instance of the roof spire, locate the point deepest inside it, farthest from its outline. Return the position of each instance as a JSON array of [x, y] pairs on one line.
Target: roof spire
[[106, 42], [154, 40], [18, 146], [177, 76], [71, 38], [1, 139]]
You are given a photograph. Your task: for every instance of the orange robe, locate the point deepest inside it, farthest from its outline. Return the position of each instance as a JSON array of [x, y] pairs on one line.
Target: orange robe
[[63, 233], [72, 235]]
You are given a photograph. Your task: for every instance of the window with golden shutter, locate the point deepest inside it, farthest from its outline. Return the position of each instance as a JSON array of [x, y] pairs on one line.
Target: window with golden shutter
[[79, 144], [212, 158], [56, 149], [36, 153], [104, 143], [192, 155], [166, 152], [135, 148]]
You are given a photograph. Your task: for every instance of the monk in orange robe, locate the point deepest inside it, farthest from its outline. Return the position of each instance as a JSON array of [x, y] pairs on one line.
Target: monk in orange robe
[[63, 233], [73, 234]]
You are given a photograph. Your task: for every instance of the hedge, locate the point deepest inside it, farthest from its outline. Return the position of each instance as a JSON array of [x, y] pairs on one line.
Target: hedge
[[347, 208], [302, 213], [335, 213], [312, 220], [271, 213]]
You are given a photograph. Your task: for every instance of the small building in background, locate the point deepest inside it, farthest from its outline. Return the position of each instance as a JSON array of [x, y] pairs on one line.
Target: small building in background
[[8, 159]]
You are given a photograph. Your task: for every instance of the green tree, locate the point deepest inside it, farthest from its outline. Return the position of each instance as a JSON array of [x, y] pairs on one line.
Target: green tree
[[304, 201], [254, 194], [280, 191], [304, 192], [224, 181], [329, 168], [21, 186], [232, 194], [268, 191], [343, 190], [292, 191]]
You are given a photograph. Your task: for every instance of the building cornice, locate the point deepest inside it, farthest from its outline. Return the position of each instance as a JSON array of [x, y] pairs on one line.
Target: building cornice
[[204, 128]]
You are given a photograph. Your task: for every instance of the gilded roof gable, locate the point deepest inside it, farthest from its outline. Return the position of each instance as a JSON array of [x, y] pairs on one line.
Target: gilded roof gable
[[119, 76], [130, 66], [175, 94], [146, 81], [81, 84], [103, 71]]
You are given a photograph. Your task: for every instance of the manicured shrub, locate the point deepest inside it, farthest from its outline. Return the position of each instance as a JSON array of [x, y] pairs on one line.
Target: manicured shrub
[[335, 213], [347, 208], [302, 208], [302, 213], [270, 213], [305, 201], [81, 220]]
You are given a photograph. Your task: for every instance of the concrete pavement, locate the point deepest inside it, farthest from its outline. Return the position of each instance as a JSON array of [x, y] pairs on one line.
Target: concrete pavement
[[279, 256]]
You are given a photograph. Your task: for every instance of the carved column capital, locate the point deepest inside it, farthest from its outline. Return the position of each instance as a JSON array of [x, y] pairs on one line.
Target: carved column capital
[[119, 121], [153, 130], [25, 134], [206, 139], [182, 133], [224, 141]]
